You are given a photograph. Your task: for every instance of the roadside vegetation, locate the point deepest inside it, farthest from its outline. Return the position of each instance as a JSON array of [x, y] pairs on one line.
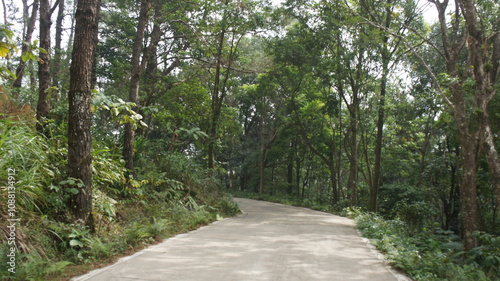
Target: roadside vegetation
[[430, 253], [127, 216]]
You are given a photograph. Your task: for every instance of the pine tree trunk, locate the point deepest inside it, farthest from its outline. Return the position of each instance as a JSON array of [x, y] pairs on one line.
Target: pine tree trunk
[[79, 119], [43, 106]]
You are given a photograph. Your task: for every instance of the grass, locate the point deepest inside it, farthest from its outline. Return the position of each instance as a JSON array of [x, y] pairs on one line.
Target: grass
[[52, 246]]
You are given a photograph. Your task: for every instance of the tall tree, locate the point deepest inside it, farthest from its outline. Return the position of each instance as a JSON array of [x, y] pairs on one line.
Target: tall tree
[[79, 119], [56, 62], [136, 69], [30, 22], [471, 89], [43, 106], [385, 21], [219, 88], [231, 21]]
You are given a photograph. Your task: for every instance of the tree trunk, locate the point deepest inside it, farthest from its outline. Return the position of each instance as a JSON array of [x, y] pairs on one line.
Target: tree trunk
[[451, 205], [136, 72], [480, 55], [217, 99], [289, 176], [493, 163], [471, 217], [43, 106], [56, 63], [470, 150], [5, 21], [30, 27], [352, 182], [289, 168], [151, 74], [425, 147], [298, 168], [471, 121], [262, 160], [333, 182], [377, 169], [79, 119]]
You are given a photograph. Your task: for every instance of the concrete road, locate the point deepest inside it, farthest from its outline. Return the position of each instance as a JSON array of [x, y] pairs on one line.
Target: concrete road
[[267, 242]]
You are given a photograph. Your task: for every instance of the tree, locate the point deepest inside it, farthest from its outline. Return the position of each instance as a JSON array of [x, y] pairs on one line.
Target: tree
[[79, 119], [472, 89], [268, 111], [136, 69], [236, 20], [30, 22], [385, 22], [44, 78], [57, 60]]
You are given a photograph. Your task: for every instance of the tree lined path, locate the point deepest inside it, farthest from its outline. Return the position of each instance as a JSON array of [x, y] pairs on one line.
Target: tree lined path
[[267, 242]]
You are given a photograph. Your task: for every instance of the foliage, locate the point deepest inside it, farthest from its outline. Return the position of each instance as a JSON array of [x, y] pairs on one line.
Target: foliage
[[430, 254], [286, 99], [50, 243], [7, 47], [37, 164], [407, 203], [120, 111]]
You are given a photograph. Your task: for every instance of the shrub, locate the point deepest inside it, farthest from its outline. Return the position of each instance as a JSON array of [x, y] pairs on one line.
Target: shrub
[[429, 255]]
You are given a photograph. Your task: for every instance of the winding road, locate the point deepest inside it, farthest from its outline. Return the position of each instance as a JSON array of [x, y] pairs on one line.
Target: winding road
[[268, 241]]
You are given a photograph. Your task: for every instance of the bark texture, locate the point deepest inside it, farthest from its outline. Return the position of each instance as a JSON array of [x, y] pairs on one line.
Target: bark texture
[[79, 121], [43, 106], [471, 119]]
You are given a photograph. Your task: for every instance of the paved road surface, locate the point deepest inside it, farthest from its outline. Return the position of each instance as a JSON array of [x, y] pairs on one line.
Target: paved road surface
[[267, 242]]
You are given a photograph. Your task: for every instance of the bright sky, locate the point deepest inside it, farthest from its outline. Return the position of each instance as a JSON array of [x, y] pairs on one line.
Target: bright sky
[[429, 11]]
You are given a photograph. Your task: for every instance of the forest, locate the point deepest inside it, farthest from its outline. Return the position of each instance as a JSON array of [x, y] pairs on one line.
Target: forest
[[126, 121]]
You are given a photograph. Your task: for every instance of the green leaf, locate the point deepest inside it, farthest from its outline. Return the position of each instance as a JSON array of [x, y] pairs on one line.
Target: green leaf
[[4, 50], [27, 56], [76, 243], [72, 190]]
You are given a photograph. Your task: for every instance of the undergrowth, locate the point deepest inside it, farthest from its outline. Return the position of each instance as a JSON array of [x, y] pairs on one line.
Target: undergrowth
[[430, 254]]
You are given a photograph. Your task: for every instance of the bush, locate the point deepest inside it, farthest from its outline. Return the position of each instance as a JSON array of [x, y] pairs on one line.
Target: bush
[[34, 162], [408, 203], [429, 255]]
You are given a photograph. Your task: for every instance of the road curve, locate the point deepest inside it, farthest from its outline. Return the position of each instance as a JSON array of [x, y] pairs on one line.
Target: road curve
[[267, 242]]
